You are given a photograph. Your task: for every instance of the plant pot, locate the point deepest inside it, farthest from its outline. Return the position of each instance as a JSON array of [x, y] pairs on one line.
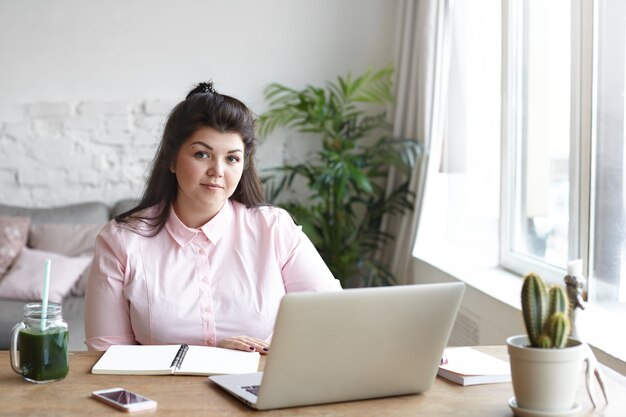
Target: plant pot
[[545, 379]]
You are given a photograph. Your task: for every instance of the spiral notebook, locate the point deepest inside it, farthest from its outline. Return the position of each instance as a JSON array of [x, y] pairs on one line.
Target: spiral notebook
[[175, 360]]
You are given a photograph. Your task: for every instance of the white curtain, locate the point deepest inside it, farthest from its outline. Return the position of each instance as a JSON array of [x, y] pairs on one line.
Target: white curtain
[[422, 78]]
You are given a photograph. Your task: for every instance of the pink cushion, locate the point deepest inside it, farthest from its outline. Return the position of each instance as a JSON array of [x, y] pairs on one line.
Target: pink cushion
[[24, 281], [13, 236]]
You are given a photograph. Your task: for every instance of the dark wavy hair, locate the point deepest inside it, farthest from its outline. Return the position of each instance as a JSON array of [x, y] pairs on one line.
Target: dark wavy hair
[[203, 107]]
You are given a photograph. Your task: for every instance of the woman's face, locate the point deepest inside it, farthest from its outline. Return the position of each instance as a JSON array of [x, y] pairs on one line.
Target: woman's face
[[208, 168]]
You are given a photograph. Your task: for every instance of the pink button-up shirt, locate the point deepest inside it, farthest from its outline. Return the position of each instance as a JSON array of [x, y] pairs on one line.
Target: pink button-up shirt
[[199, 286]]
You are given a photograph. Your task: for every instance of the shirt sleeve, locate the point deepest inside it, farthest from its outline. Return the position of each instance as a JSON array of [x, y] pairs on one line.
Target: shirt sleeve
[[107, 318], [303, 269]]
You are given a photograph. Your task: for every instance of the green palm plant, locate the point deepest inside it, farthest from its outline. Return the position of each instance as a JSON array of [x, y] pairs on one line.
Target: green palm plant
[[347, 194]]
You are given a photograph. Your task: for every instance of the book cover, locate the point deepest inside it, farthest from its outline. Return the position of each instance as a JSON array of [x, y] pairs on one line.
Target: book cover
[[467, 366], [175, 359]]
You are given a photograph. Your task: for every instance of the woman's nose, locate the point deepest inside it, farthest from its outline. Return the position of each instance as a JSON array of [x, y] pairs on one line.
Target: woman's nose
[[216, 168]]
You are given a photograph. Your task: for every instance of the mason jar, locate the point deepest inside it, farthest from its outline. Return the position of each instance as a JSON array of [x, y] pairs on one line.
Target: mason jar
[[39, 344]]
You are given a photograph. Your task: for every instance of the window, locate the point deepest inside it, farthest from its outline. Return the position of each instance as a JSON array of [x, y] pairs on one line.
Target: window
[[536, 214], [608, 249], [552, 199], [460, 211], [533, 166]]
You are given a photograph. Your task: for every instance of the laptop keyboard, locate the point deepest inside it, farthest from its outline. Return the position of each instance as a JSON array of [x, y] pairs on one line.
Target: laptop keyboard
[[252, 389]]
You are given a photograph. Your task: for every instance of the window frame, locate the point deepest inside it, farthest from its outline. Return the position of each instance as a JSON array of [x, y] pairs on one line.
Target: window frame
[[581, 161], [437, 257], [582, 167]]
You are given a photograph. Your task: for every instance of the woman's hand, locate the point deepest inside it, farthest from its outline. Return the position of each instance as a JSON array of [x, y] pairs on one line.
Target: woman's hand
[[247, 343]]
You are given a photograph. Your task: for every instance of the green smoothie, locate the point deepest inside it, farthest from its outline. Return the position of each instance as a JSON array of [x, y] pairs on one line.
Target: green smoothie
[[43, 356]]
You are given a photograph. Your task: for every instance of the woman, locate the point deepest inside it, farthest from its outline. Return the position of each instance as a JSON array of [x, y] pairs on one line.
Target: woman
[[201, 260]]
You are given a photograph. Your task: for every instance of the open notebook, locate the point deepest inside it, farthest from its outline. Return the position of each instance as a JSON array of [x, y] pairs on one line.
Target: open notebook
[[175, 359]]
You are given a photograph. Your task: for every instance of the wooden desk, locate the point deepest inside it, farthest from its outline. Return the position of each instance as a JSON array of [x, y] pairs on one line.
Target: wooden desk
[[191, 396]]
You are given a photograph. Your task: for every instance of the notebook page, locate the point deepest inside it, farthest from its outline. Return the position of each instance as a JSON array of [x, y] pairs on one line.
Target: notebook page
[[466, 361], [136, 360], [207, 360]]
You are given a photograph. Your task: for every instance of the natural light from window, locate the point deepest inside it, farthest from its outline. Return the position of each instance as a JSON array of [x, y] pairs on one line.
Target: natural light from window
[[459, 221], [541, 218], [531, 171], [608, 288]]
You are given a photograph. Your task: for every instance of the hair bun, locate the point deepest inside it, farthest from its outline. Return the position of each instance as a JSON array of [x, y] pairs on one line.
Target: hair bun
[[207, 87], [202, 88]]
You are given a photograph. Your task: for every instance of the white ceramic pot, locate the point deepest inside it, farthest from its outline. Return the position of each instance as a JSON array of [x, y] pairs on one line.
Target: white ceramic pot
[[545, 379]]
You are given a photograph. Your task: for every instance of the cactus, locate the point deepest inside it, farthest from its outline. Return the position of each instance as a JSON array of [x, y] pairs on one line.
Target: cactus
[[558, 328], [557, 300], [545, 313], [534, 306]]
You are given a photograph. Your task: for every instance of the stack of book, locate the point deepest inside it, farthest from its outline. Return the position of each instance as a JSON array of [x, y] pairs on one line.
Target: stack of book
[[467, 366]]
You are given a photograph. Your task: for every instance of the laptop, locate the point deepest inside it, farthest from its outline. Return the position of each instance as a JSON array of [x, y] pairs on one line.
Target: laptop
[[351, 345]]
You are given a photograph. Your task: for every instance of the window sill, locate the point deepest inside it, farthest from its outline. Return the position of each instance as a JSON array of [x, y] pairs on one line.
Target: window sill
[[609, 346]]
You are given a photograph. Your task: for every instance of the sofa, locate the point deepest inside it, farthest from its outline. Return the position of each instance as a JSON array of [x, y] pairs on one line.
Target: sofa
[[66, 236]]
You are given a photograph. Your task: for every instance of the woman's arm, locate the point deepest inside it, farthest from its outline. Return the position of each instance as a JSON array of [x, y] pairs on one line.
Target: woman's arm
[[303, 268], [107, 319]]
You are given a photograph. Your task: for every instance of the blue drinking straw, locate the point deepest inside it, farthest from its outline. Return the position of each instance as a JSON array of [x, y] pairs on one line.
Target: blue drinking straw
[[46, 287]]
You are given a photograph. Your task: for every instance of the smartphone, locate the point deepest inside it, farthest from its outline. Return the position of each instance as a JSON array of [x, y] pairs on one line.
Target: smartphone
[[124, 400]]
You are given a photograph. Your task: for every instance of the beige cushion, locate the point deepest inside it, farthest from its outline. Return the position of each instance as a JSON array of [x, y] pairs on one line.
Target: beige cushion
[[24, 281], [67, 239], [13, 236], [83, 213]]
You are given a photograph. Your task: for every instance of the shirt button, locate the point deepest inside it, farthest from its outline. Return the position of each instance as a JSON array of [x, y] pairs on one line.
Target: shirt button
[[201, 252], [210, 342]]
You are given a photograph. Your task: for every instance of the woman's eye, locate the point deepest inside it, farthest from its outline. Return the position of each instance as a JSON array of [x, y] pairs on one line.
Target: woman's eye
[[233, 159], [201, 154]]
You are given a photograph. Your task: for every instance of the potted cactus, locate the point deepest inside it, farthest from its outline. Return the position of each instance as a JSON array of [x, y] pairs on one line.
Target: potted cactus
[[545, 313], [547, 362]]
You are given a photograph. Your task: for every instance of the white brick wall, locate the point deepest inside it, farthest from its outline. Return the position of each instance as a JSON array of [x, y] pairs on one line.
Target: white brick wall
[[66, 152], [48, 110], [62, 153]]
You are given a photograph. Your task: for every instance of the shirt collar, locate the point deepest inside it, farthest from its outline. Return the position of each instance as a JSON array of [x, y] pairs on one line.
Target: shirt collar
[[213, 229]]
